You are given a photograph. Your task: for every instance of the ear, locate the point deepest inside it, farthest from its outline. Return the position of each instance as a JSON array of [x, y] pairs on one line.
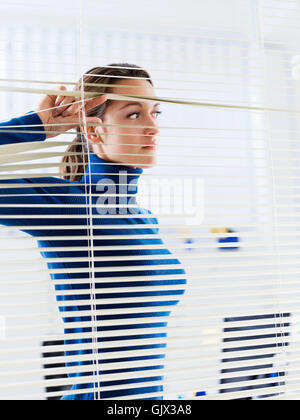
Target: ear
[[93, 132]]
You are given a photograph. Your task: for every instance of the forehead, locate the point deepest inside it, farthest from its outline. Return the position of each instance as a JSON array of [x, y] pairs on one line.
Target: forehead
[[135, 87]]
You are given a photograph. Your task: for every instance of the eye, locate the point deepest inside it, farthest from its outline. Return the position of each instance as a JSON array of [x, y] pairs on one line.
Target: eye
[[133, 116]]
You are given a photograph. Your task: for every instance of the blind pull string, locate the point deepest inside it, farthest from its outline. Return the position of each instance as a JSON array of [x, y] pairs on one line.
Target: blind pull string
[[273, 192], [90, 219]]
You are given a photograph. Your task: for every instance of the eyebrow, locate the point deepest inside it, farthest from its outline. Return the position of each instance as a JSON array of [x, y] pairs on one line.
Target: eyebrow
[[136, 103]]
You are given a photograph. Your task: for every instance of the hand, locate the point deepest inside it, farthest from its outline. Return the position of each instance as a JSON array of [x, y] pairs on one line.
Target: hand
[[67, 116]]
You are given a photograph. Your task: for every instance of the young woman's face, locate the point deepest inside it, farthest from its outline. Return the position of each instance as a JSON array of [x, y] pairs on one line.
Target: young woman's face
[[132, 135]]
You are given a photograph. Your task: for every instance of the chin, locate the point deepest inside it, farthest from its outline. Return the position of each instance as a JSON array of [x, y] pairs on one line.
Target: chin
[[147, 164], [144, 163]]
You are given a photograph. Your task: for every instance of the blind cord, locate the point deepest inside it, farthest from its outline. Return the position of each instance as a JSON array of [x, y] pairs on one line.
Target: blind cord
[[90, 221]]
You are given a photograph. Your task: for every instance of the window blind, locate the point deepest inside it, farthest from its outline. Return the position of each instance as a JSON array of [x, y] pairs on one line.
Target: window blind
[[194, 292]]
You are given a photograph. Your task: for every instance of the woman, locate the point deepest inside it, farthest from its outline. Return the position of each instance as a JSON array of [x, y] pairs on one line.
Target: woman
[[112, 299]]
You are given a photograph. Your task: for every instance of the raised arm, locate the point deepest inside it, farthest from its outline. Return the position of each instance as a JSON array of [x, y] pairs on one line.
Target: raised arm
[[21, 199], [60, 113], [55, 115], [28, 127]]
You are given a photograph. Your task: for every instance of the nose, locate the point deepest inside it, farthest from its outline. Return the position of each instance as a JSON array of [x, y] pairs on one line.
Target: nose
[[152, 127]]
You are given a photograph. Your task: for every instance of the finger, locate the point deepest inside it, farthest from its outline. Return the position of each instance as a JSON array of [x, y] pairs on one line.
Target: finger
[[55, 97], [58, 101], [72, 110], [93, 103], [66, 105], [59, 98], [46, 102], [89, 104]]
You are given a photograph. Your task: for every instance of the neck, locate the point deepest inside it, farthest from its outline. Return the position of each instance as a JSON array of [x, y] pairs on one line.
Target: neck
[[104, 175]]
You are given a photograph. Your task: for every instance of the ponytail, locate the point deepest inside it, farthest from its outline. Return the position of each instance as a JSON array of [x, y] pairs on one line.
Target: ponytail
[[75, 166]]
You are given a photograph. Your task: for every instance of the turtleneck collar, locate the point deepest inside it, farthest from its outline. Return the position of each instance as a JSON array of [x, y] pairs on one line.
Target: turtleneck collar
[[102, 173]]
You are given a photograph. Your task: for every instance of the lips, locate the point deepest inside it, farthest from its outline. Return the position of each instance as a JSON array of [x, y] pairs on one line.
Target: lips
[[152, 147]]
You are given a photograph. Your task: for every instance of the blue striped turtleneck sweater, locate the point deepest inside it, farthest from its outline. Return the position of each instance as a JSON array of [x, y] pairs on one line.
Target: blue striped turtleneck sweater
[[107, 311]]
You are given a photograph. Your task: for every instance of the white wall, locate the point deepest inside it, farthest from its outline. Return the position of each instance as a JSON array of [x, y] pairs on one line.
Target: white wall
[[211, 49]]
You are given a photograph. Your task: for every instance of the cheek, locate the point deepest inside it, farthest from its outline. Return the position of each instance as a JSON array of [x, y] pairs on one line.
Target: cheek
[[126, 137], [118, 142], [128, 134]]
